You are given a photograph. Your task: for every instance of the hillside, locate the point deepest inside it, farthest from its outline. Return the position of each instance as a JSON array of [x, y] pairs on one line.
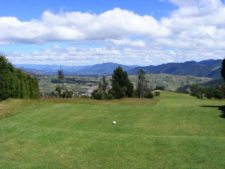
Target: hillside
[[207, 68], [211, 83], [49, 69], [102, 69]]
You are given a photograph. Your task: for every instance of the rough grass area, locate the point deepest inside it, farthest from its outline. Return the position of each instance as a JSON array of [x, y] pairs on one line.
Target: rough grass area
[[174, 132]]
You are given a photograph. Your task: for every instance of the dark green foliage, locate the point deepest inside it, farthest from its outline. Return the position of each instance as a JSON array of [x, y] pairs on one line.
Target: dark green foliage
[[142, 90], [16, 84], [62, 92], [157, 93], [67, 94], [223, 69], [130, 89], [197, 91], [159, 88], [58, 90], [60, 74], [104, 84], [209, 93], [148, 94], [102, 92], [98, 94], [217, 92], [141, 84], [121, 85]]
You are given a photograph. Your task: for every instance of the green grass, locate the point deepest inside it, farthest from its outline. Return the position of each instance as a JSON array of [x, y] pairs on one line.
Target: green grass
[[174, 131]]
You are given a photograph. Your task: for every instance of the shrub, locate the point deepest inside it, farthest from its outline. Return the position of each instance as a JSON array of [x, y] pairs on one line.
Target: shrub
[[157, 93], [159, 88], [109, 96], [98, 94], [197, 91], [67, 94], [148, 94], [217, 92]]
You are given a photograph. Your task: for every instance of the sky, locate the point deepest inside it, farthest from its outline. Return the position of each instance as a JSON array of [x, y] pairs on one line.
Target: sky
[[131, 32]]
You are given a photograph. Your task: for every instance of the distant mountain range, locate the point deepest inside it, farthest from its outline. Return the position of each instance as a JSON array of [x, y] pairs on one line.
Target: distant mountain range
[[98, 69], [206, 68]]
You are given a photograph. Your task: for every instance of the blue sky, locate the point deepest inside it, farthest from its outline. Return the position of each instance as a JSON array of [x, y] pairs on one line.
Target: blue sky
[[144, 32], [27, 9]]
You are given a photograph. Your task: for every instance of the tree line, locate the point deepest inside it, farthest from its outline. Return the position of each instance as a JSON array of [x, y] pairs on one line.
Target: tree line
[[14, 83], [216, 92], [212, 92], [122, 87]]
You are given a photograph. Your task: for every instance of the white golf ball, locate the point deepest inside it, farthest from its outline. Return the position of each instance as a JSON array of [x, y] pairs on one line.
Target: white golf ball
[[114, 122]]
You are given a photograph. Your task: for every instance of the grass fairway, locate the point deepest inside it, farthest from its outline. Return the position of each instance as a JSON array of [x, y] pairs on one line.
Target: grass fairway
[[174, 132]]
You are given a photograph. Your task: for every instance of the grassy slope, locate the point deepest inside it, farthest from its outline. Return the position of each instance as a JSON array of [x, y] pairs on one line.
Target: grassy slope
[[174, 132]]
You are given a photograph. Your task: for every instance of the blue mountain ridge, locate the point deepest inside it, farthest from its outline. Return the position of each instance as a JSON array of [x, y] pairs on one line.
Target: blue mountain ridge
[[206, 68]]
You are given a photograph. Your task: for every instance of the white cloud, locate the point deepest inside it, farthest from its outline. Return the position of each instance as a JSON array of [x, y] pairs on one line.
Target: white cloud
[[72, 26], [194, 31], [128, 42]]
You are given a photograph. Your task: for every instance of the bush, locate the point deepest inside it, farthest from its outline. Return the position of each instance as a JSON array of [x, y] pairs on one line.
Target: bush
[[63, 92], [98, 94], [67, 94], [109, 96], [157, 93], [197, 91], [159, 88], [148, 94], [217, 92], [209, 94]]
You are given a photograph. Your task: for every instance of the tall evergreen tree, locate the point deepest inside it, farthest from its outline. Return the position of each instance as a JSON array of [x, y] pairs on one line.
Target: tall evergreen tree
[[223, 69], [121, 85], [141, 84], [16, 84], [104, 84], [60, 74]]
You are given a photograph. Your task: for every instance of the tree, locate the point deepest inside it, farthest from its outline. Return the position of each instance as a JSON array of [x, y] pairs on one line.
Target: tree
[[141, 84], [104, 84], [197, 91], [121, 85], [16, 84], [159, 88], [60, 74], [98, 94], [58, 89], [223, 69], [102, 91]]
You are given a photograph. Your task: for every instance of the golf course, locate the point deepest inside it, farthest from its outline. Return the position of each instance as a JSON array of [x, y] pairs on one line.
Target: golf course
[[167, 132]]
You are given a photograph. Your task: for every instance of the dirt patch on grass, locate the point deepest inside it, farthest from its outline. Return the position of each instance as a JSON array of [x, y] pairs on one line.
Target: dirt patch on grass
[[9, 106]]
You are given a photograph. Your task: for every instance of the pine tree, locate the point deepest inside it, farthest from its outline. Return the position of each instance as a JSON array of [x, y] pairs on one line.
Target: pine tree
[[16, 84], [121, 85], [141, 84], [223, 69], [60, 74]]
